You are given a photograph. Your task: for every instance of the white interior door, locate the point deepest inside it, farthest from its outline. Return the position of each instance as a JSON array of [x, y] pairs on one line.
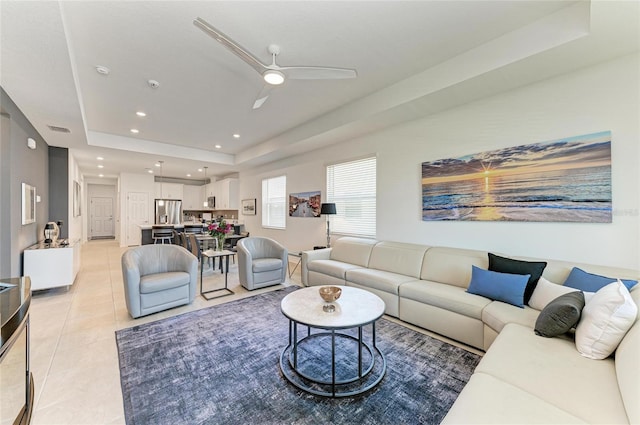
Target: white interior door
[[101, 217], [137, 214]]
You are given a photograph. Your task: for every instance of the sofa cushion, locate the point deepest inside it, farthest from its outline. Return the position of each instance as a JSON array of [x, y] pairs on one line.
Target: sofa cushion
[[378, 279], [505, 287], [509, 265], [260, 265], [448, 297], [605, 320], [488, 400], [333, 268], [590, 282], [497, 315], [560, 315], [552, 370], [451, 265], [162, 281], [546, 292], [354, 251], [395, 257]]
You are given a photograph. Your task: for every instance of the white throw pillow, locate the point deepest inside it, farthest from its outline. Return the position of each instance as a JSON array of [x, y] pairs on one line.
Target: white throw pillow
[[546, 292], [606, 318]]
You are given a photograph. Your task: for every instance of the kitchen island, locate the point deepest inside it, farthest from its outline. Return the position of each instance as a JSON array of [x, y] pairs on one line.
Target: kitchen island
[[145, 229]]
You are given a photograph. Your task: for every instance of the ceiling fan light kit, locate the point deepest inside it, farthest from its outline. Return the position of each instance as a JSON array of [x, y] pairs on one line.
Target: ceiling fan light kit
[[273, 77], [273, 74]]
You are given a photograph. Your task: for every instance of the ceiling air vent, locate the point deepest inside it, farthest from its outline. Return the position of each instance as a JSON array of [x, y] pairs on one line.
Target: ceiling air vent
[[59, 129]]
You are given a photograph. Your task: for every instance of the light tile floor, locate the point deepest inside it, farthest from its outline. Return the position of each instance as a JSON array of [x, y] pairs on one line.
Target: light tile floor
[[73, 351]]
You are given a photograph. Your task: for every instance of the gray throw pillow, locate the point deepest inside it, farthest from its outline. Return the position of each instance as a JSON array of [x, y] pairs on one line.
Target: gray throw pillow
[[560, 315]]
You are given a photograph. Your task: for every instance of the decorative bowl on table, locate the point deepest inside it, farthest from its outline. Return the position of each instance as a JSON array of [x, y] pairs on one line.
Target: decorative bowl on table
[[329, 294]]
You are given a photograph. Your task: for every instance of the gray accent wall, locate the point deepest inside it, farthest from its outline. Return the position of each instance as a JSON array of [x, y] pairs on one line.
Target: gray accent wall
[[59, 188], [20, 164]]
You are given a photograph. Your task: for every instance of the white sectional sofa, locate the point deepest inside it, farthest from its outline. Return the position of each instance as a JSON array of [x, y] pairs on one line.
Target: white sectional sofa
[[523, 378]]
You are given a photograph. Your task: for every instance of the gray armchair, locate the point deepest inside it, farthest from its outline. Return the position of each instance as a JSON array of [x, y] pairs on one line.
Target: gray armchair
[[261, 262], [158, 277]]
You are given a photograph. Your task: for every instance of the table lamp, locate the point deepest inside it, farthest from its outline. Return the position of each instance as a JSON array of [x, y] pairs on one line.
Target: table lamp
[[328, 209]]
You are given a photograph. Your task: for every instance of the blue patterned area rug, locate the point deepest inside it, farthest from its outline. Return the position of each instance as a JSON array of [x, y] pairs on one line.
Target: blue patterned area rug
[[220, 365]]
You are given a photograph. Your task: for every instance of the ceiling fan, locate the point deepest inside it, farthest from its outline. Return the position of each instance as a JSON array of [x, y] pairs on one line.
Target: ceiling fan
[[273, 74]]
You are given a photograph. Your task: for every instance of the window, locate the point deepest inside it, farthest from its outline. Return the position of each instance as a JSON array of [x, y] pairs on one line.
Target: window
[[274, 202], [352, 187]]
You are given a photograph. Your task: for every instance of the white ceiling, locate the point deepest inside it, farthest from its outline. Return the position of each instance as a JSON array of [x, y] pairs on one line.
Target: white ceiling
[[413, 58]]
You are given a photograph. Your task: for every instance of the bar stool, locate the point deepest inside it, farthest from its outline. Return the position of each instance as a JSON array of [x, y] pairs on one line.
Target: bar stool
[[162, 234], [194, 228]]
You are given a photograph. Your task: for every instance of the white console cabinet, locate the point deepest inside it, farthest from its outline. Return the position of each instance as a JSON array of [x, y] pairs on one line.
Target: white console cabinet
[[51, 266]]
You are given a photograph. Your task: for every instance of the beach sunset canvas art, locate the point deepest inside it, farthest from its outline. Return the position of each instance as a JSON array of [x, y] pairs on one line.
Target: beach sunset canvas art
[[564, 180]]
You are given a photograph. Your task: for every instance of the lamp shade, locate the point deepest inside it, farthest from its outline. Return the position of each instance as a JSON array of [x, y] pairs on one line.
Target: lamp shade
[[328, 208]]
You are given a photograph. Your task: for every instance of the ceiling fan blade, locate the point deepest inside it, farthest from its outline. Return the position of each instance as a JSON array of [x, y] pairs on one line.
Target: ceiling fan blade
[[262, 96], [227, 42], [317, 73]]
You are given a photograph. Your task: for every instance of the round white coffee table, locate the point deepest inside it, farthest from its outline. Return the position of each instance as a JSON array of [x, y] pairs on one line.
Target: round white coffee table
[[335, 360]]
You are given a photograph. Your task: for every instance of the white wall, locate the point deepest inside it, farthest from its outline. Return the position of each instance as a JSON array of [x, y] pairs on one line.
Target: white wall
[[603, 97]]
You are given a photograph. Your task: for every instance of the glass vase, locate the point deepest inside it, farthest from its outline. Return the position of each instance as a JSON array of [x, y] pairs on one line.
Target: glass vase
[[219, 242]]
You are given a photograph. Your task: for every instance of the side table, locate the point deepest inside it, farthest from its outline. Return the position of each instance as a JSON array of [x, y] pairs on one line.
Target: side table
[[298, 255], [211, 253], [335, 360]]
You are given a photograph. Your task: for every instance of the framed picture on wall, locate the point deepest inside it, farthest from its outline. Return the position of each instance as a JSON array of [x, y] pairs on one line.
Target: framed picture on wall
[[249, 206], [304, 204], [28, 204], [563, 180], [77, 199]]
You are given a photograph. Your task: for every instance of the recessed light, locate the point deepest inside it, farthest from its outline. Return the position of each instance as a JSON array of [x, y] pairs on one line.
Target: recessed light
[[141, 114], [102, 70], [218, 146], [135, 131], [199, 170], [99, 158], [236, 136], [188, 175], [100, 166], [157, 164], [100, 175], [149, 170]]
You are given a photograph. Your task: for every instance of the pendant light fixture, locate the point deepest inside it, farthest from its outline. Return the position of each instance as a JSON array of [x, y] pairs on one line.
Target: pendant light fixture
[[205, 203], [161, 201]]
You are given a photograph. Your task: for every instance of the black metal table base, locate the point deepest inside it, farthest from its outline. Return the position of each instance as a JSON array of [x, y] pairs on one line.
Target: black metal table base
[[359, 373], [225, 291]]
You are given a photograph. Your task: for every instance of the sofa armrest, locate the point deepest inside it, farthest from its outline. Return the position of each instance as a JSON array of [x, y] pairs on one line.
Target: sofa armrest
[[131, 280], [308, 256]]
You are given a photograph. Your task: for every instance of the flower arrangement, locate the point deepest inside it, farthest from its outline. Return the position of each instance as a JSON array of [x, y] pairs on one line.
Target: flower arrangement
[[219, 231]]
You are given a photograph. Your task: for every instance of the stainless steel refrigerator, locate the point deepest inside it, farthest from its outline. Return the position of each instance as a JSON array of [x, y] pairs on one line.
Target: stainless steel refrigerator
[[168, 211]]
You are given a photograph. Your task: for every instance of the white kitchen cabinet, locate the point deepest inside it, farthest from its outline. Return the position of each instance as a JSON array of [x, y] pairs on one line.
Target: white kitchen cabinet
[[227, 194], [193, 197], [169, 191], [210, 189]]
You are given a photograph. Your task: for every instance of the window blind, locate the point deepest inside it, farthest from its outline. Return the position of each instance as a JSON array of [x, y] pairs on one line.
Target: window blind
[[352, 187], [274, 202]]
